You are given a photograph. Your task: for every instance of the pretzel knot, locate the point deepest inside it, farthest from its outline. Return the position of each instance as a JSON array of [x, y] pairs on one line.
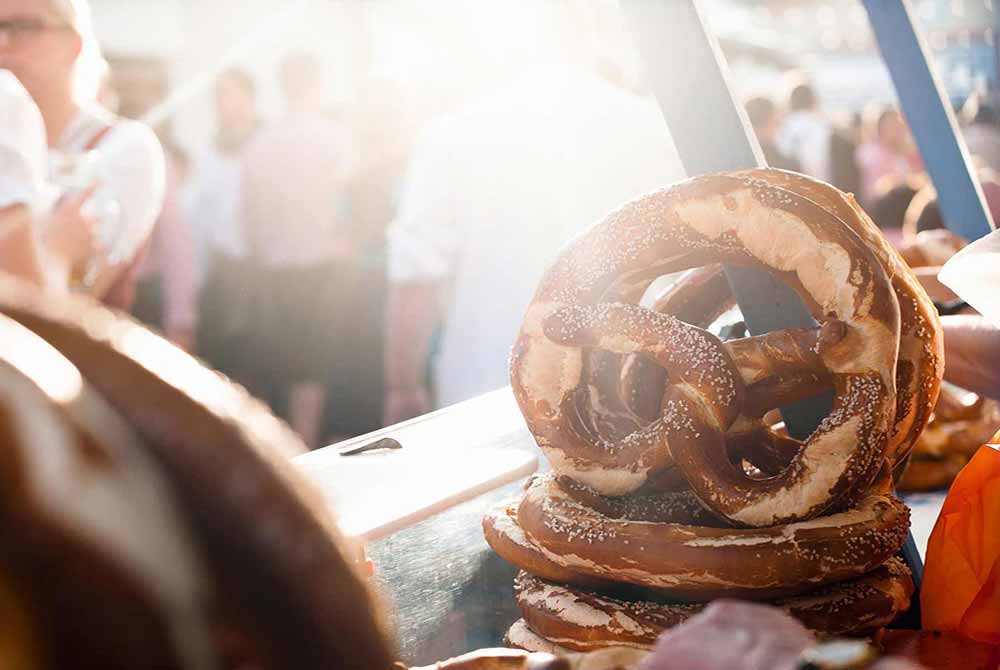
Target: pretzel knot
[[589, 358]]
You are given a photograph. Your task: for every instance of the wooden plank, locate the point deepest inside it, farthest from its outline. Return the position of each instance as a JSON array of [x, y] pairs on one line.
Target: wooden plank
[[447, 458]]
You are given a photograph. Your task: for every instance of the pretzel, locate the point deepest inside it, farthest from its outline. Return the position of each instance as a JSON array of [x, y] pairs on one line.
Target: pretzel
[[920, 361], [960, 424], [930, 248], [626, 389], [504, 534], [630, 388], [499, 659], [544, 657], [931, 474], [703, 294], [581, 304], [573, 536], [584, 620], [920, 364], [154, 518]]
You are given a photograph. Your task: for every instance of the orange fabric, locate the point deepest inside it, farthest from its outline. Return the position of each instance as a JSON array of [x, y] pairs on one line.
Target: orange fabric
[[961, 587]]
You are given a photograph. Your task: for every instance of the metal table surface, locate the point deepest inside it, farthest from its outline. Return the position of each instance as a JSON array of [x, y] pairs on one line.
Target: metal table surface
[[444, 590]]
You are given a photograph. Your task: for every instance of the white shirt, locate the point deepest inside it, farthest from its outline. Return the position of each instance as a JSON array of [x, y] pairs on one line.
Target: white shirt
[[23, 149], [130, 171], [493, 193], [805, 136], [215, 203]]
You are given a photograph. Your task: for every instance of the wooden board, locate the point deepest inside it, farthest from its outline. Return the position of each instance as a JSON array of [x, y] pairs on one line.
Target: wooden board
[[448, 457]]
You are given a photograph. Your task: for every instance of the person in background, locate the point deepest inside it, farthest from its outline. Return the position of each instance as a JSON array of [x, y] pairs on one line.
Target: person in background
[[923, 212], [982, 130], [764, 118], [214, 208], [166, 292], [494, 189], [844, 171], [805, 133], [891, 154], [50, 47], [294, 201], [382, 136], [888, 206], [25, 196]]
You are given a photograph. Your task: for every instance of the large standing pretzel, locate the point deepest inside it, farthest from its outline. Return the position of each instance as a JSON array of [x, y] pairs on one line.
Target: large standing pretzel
[[587, 301]]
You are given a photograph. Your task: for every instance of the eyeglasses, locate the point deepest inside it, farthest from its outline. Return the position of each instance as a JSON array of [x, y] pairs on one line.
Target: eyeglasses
[[16, 31]]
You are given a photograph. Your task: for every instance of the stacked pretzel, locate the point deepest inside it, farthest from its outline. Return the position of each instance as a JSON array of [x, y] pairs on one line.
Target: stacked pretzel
[[669, 488]]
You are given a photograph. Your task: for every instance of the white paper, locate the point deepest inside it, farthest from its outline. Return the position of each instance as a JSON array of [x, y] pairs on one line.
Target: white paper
[[974, 275]]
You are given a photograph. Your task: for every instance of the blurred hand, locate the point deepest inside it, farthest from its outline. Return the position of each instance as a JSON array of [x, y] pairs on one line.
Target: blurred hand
[[402, 404], [71, 235]]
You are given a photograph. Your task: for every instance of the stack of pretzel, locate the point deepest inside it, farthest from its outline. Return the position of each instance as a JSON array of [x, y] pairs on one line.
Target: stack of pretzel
[[668, 486]]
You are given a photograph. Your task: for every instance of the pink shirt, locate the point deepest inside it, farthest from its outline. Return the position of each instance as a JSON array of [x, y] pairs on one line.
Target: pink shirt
[[295, 174], [876, 161], [172, 256]]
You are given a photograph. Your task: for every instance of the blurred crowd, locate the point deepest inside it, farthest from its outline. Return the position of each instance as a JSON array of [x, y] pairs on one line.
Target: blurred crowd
[[268, 260], [399, 273], [402, 266], [872, 154], [354, 273]]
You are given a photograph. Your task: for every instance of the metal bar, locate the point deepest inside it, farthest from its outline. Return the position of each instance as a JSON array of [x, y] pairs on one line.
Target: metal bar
[[994, 83], [688, 75], [931, 119], [910, 619]]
